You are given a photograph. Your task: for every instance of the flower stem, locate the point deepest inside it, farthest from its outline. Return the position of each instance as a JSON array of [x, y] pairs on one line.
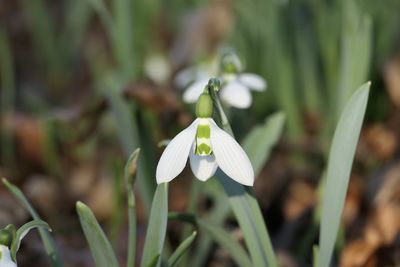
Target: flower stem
[[244, 204]]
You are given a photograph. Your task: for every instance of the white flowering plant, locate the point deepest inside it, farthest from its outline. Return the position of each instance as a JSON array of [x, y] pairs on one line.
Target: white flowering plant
[[213, 152]]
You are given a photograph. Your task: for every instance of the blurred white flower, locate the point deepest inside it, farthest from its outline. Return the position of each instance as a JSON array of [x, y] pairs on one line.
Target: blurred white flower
[[236, 86], [5, 257], [235, 90], [207, 147], [157, 68], [202, 71]]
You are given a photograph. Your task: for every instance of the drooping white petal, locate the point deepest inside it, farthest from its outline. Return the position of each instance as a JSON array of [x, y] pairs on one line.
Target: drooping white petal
[[203, 167], [5, 257], [193, 92], [175, 155], [253, 81], [230, 156], [236, 94]]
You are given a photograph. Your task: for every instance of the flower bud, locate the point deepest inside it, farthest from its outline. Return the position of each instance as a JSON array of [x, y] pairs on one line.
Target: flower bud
[[204, 107]]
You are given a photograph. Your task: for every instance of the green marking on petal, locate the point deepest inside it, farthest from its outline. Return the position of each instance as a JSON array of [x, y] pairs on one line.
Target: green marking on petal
[[203, 150], [203, 131], [203, 142]]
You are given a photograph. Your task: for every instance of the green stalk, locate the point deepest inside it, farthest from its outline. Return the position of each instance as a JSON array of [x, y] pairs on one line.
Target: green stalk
[[246, 209], [130, 177], [123, 37]]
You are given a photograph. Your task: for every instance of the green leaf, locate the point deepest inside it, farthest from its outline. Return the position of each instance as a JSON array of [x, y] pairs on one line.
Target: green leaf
[[104, 14], [47, 239], [100, 247], [181, 249], [128, 131], [260, 141], [23, 231], [157, 227], [356, 52], [154, 261], [219, 235], [248, 214], [315, 255], [122, 36], [130, 175], [340, 162], [246, 209]]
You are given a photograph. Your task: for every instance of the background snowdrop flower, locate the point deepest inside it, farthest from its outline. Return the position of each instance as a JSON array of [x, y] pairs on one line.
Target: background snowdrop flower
[[236, 90], [5, 257], [207, 147], [157, 68], [236, 86]]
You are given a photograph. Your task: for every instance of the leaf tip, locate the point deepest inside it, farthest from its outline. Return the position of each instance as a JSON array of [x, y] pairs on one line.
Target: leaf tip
[[80, 205], [4, 180]]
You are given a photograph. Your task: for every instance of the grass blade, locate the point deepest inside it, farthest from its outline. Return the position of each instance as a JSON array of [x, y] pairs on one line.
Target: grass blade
[[219, 235], [157, 227], [43, 33], [100, 247], [123, 39], [356, 52], [248, 214], [182, 248], [128, 131], [338, 173], [104, 14], [47, 239], [260, 141], [23, 231], [130, 175]]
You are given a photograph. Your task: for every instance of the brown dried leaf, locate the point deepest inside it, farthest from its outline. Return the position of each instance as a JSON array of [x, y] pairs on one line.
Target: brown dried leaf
[[301, 197], [382, 141], [357, 254], [391, 75]]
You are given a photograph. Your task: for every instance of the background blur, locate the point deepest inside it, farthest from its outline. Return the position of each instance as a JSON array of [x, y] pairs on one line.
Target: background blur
[[84, 82]]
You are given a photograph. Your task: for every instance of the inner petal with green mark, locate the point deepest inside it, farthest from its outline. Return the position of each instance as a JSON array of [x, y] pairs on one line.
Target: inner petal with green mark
[[203, 141]]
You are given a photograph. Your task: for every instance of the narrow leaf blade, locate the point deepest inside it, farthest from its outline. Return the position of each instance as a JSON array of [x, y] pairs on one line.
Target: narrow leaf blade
[[100, 247], [157, 227], [219, 235], [340, 162], [182, 248], [47, 239], [260, 141], [23, 231]]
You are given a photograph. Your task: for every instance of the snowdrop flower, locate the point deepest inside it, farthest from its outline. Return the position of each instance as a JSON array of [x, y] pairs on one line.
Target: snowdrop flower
[[5, 257], [207, 147], [157, 68], [236, 85]]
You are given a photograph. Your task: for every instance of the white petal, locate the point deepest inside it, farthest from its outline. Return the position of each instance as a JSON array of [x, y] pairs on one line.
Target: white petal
[[253, 81], [203, 167], [236, 94], [175, 155], [185, 76], [230, 156], [5, 258], [192, 93]]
